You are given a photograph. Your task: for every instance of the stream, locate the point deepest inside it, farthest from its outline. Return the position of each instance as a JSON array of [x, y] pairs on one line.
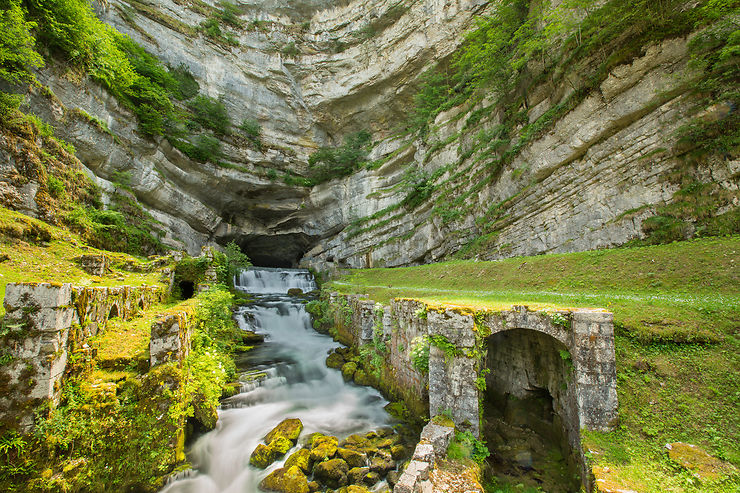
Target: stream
[[284, 377]]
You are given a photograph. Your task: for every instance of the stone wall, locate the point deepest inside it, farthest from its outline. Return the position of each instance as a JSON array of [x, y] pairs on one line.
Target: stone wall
[[459, 352], [45, 322]]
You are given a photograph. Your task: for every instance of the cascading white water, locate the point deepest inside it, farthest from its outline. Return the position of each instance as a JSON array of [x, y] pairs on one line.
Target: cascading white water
[[286, 378], [265, 280]]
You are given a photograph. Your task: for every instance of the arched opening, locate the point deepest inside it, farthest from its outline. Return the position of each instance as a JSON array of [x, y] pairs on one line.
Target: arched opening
[[529, 411], [141, 304], [113, 312], [187, 289]]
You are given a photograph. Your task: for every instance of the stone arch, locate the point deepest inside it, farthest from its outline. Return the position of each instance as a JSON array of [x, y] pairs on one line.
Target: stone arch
[[141, 304], [529, 411], [114, 312]]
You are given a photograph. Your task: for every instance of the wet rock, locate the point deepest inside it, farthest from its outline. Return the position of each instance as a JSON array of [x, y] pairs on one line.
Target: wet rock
[[280, 446], [262, 456], [352, 457], [399, 452], [523, 459], [295, 292], [323, 447], [335, 360], [348, 370], [362, 378], [392, 478], [353, 488], [382, 464], [286, 480], [288, 428], [371, 478], [300, 459], [385, 431], [332, 472], [357, 475], [344, 351], [314, 486], [355, 442]]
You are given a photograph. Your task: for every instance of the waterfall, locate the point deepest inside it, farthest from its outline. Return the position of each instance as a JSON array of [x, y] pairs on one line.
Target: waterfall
[[265, 280], [284, 377]]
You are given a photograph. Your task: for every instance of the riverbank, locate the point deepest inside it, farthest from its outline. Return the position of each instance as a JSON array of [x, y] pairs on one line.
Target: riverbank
[[676, 313]]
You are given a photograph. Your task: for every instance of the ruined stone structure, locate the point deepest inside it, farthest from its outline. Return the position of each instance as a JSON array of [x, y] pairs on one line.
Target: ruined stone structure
[[577, 369], [171, 337], [46, 322]]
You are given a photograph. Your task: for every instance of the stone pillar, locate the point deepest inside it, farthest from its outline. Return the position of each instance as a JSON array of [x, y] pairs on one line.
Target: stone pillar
[[452, 378], [38, 318], [595, 369], [170, 340]]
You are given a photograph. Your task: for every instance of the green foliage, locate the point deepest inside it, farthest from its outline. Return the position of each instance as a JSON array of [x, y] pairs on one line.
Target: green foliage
[[334, 162], [236, 261], [210, 113], [187, 86], [251, 129], [466, 446], [290, 49], [321, 314], [419, 354], [9, 104], [126, 230], [71, 28], [559, 319], [229, 14], [13, 450], [55, 186], [433, 96], [418, 186], [17, 54]]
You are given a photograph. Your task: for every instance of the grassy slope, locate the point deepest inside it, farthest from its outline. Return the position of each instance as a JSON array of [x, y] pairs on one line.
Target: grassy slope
[[677, 314], [35, 260]]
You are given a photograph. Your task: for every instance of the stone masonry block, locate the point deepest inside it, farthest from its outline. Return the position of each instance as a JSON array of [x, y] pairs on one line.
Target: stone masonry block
[[41, 295], [44, 319], [456, 327]]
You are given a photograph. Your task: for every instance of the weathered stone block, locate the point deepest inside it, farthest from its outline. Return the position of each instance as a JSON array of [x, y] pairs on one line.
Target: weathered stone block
[[97, 265], [170, 340], [40, 295]]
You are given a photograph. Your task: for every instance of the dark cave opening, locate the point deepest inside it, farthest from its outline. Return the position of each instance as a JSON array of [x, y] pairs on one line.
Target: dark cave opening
[[187, 289], [529, 420], [280, 250]]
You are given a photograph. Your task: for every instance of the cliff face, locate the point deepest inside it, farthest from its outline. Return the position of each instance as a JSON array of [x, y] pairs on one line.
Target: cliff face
[[312, 71]]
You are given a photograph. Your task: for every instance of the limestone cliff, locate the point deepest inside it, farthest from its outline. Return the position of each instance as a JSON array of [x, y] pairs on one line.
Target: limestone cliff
[[311, 71]]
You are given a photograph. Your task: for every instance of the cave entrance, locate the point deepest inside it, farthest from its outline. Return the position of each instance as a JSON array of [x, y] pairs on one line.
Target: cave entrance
[[280, 250], [187, 289], [529, 411]]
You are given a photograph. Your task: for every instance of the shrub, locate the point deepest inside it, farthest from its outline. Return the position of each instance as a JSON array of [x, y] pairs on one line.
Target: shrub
[[251, 129], [187, 86], [229, 14], [17, 54], [9, 104], [55, 186], [334, 162], [290, 49], [210, 113]]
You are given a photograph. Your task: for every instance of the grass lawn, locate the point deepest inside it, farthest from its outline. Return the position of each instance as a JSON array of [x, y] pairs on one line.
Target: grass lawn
[[677, 323]]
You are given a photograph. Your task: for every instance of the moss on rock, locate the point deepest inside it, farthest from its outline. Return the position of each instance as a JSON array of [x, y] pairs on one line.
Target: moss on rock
[[353, 458], [288, 428], [335, 360], [300, 459], [262, 456], [332, 473], [348, 370], [286, 480]]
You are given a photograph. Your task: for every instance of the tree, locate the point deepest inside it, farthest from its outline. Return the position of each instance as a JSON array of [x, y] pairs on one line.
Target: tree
[[17, 54]]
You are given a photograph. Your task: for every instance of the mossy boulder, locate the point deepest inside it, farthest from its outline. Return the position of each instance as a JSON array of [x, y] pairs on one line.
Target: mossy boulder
[[399, 452], [288, 428], [323, 447], [362, 378], [353, 488], [262, 456], [335, 360], [314, 486], [280, 446], [332, 472], [353, 458], [348, 370], [300, 459], [286, 480], [356, 475], [295, 292], [382, 464]]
